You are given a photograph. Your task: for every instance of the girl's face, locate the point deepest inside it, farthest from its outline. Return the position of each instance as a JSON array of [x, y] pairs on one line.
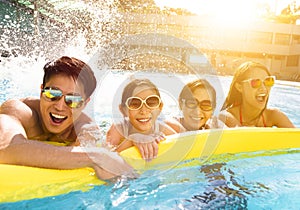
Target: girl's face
[[144, 117], [255, 89], [198, 110]]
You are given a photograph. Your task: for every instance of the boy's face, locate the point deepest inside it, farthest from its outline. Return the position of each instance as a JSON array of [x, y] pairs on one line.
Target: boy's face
[[196, 117], [56, 115]]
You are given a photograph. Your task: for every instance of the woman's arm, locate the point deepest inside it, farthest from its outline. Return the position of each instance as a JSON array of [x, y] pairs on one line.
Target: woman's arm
[[278, 118]]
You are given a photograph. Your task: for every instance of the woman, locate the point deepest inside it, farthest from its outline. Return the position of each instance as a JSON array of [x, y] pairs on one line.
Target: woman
[[246, 103]]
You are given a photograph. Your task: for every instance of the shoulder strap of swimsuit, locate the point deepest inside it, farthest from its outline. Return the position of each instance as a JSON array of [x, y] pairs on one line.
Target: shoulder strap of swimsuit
[[241, 118], [263, 119]]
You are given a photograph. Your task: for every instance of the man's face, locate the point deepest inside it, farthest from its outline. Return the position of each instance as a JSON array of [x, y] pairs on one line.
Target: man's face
[[56, 115]]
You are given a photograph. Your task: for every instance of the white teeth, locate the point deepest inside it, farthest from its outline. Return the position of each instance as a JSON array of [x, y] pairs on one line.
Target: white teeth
[[262, 95], [58, 116], [143, 120], [197, 118]]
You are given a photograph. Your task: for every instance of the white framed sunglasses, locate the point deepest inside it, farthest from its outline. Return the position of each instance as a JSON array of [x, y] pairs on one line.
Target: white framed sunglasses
[[135, 103]]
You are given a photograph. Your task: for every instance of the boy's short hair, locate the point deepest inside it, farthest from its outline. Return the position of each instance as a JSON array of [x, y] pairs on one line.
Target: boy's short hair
[[73, 67], [189, 88]]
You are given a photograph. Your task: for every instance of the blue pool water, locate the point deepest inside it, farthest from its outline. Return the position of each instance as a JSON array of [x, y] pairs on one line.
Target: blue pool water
[[269, 181]]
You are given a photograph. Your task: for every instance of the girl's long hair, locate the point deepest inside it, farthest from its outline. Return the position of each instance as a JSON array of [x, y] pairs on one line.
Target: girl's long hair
[[234, 97]]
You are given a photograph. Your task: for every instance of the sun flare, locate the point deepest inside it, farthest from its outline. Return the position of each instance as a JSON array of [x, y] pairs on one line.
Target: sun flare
[[228, 12]]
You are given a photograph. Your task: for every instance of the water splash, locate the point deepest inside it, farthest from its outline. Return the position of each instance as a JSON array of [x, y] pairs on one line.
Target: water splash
[[57, 26]]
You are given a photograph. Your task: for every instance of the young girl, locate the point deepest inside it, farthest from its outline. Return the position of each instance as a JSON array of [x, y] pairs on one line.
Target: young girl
[[141, 105], [246, 103], [197, 102]]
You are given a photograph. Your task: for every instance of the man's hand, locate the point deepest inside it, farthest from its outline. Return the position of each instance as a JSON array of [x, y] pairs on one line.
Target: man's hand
[[107, 164], [89, 136]]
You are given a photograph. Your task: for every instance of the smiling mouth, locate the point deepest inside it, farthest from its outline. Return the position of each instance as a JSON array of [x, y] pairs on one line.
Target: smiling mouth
[[143, 120], [197, 118], [57, 118], [261, 97]]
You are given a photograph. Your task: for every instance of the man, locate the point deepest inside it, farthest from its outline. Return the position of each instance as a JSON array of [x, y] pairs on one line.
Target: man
[[57, 118]]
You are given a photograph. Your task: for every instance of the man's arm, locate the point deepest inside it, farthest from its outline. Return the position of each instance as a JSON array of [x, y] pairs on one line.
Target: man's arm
[[15, 148]]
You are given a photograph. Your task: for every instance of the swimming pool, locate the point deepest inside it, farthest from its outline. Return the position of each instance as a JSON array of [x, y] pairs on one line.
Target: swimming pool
[[252, 181]]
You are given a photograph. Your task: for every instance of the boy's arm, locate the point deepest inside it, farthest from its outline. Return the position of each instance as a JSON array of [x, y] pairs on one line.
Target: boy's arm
[[15, 148], [169, 127], [228, 119]]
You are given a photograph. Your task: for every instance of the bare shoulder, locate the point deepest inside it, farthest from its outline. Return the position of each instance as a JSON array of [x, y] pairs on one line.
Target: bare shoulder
[[15, 118], [168, 128], [275, 117], [14, 107], [20, 110], [229, 118], [175, 125], [33, 103], [84, 121]]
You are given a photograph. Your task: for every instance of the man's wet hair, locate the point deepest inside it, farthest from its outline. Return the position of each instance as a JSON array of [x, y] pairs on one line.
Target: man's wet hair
[[73, 67]]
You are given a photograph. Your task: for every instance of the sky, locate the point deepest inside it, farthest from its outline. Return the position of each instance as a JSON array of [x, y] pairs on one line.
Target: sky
[[229, 6]]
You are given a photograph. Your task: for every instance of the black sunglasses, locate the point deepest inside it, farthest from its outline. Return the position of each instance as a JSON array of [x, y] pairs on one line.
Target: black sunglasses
[[205, 105]]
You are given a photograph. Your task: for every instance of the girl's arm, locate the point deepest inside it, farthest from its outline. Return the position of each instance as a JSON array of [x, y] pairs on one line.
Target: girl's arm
[[116, 140], [113, 136], [148, 150]]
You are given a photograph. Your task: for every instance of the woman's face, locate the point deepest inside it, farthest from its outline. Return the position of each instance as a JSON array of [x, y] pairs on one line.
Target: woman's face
[[255, 93], [195, 117], [144, 118]]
